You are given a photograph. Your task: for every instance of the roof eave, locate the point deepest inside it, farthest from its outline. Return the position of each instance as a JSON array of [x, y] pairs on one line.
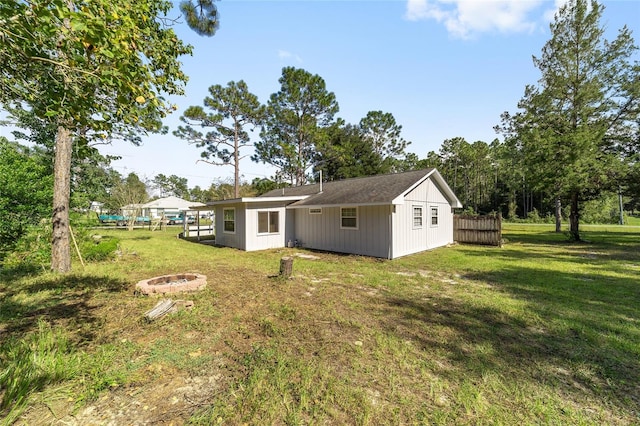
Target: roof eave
[[319, 206], [251, 200]]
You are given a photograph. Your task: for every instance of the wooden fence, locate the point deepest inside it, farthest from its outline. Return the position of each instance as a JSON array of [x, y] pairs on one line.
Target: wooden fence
[[486, 230]]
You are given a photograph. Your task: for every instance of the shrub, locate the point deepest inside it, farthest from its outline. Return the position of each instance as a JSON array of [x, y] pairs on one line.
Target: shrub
[[99, 249], [604, 210]]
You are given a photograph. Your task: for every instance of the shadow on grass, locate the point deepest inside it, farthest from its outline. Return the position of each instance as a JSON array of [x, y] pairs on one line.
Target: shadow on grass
[[576, 330], [589, 357], [580, 332], [57, 299], [597, 248], [140, 238], [618, 243]]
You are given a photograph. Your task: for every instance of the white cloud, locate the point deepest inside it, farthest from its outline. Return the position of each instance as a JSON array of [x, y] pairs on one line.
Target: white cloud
[[550, 14], [285, 54], [467, 18]]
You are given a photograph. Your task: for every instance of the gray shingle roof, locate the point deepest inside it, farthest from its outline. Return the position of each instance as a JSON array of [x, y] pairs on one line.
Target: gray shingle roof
[[380, 189]]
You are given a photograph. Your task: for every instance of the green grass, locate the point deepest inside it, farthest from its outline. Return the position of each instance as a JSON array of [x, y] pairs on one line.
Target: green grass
[[540, 331], [632, 220]]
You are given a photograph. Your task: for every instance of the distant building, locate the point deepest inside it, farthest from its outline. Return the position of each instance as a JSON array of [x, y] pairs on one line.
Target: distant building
[[168, 206]]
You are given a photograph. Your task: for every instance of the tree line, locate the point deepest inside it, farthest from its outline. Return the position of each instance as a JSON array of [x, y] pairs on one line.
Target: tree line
[[299, 133], [76, 75]]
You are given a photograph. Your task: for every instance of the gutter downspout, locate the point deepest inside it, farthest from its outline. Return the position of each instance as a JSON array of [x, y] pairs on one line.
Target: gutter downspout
[[390, 254]]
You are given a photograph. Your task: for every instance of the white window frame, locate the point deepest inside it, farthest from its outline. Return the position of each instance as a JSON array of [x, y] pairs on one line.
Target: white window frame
[[317, 210], [269, 213], [414, 217], [353, 228], [224, 230], [432, 216]]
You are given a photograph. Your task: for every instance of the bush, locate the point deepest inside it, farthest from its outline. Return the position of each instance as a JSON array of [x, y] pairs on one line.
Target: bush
[[26, 188], [604, 210], [99, 249], [33, 248]]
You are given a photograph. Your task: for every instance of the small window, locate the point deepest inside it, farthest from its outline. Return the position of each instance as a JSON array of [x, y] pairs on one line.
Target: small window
[[349, 218], [268, 222], [229, 218], [315, 211], [434, 216], [417, 217]]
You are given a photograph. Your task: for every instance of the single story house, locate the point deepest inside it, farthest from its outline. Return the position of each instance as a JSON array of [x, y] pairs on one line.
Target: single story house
[[384, 216], [168, 206]]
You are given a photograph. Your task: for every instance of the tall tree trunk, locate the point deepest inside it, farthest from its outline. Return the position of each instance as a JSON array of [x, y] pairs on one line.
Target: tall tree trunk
[[60, 248], [574, 217], [236, 161], [513, 206], [558, 215]]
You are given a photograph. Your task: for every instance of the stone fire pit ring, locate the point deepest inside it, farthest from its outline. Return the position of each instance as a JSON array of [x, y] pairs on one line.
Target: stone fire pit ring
[[173, 283]]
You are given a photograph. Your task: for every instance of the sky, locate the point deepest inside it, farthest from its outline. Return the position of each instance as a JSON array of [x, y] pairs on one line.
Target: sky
[[443, 68]]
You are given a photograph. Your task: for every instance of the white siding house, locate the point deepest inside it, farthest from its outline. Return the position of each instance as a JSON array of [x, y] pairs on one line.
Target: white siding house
[[168, 206], [253, 223], [385, 216]]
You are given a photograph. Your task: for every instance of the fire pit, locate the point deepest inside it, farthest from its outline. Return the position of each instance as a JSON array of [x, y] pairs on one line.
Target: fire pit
[[172, 284]]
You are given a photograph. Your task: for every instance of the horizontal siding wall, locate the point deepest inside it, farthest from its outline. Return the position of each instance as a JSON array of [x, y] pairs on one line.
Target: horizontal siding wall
[[323, 232]]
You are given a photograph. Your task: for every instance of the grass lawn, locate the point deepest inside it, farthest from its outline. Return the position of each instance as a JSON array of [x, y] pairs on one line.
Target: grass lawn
[[540, 331], [632, 220]]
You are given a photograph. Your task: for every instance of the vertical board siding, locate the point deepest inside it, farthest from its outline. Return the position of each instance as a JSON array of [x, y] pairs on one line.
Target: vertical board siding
[[236, 240], [323, 232], [484, 230], [264, 241], [407, 239]]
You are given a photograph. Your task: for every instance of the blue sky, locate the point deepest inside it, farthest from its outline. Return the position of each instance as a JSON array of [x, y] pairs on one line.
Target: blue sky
[[442, 68]]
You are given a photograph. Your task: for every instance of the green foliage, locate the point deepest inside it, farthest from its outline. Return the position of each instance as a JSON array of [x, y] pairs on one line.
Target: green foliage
[[345, 153], [25, 192], [98, 248], [575, 130], [295, 121], [171, 185], [201, 17], [471, 170], [91, 177], [92, 180], [91, 71], [263, 185], [533, 217], [372, 147], [602, 210], [128, 191], [33, 248], [104, 59], [232, 109], [382, 132]]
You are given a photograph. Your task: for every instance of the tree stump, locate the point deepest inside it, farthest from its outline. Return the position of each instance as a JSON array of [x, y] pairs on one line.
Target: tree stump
[[286, 267]]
